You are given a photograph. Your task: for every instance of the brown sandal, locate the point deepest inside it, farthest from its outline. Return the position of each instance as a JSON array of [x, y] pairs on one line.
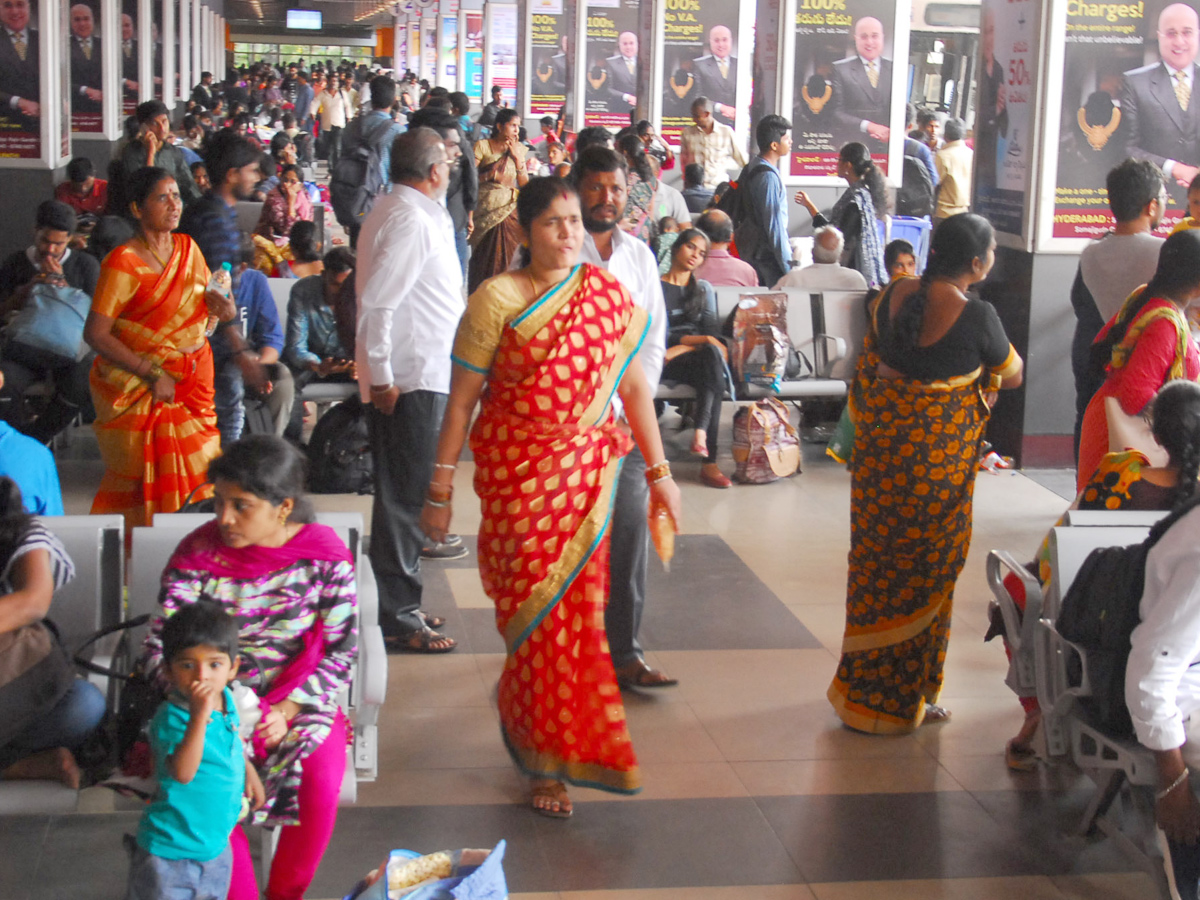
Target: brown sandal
[[639, 675], [558, 804], [423, 640]]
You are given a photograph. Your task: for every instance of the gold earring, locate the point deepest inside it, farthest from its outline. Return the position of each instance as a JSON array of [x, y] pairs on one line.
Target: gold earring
[[283, 517]]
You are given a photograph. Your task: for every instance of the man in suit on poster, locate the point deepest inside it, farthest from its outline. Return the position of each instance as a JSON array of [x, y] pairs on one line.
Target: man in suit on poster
[[1158, 102], [716, 74], [19, 78], [623, 71], [86, 79], [129, 59], [862, 88], [550, 73]]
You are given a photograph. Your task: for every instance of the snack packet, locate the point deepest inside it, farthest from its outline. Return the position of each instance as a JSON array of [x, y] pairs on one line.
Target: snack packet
[[662, 532]]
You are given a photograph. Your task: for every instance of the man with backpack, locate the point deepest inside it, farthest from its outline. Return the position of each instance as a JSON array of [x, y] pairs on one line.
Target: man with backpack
[[361, 173], [760, 220]]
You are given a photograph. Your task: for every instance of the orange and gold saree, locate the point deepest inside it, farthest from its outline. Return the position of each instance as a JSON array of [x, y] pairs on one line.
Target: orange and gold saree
[[547, 453], [155, 454]]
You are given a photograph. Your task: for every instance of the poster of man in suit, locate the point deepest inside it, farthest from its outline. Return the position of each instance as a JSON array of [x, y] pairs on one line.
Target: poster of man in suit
[[129, 59], [550, 26], [843, 85], [1129, 78], [20, 81], [700, 54], [614, 63], [83, 49]]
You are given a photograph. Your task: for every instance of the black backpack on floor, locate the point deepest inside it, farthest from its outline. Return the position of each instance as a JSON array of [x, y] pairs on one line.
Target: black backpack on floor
[[339, 452], [1099, 613]]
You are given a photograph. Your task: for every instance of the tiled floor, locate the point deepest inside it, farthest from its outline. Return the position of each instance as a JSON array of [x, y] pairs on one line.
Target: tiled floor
[[752, 788]]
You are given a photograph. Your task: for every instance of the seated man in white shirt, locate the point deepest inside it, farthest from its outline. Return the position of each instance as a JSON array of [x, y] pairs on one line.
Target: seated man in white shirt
[[826, 273], [409, 287], [1162, 690]]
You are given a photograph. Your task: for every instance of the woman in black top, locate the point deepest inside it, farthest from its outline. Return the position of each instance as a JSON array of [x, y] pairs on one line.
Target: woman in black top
[[857, 212], [930, 359], [695, 352]]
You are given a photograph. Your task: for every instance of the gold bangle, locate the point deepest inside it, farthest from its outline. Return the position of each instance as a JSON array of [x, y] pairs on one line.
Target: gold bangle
[[658, 472], [154, 373], [440, 491]]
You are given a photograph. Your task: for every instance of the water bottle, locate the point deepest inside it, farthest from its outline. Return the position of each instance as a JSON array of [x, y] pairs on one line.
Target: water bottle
[[222, 280]]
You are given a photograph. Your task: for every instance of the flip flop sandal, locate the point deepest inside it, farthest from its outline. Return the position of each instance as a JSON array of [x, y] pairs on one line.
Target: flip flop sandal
[[935, 714], [644, 677], [555, 793], [420, 641], [433, 621]]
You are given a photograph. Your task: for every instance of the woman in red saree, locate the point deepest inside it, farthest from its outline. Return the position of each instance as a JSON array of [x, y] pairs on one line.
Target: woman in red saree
[[547, 346], [1146, 344], [152, 382]]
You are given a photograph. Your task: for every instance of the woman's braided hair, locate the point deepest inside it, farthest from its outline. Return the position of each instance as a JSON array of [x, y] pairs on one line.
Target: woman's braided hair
[[1176, 416]]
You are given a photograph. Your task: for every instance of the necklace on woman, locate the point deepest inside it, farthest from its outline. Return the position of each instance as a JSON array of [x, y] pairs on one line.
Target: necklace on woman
[[533, 284], [158, 259]]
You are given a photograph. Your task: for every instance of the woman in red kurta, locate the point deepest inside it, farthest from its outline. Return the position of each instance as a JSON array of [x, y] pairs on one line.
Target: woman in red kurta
[[1149, 344]]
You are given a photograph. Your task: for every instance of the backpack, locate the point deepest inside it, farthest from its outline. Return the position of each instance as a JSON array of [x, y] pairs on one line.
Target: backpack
[[356, 179], [731, 203], [339, 452], [1099, 613], [915, 195], [766, 446]]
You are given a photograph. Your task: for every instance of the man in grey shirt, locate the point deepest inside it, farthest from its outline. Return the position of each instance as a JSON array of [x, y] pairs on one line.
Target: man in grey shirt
[[1113, 265]]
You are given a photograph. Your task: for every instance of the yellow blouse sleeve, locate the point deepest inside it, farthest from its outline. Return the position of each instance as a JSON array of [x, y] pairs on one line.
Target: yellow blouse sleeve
[[117, 285], [489, 310]]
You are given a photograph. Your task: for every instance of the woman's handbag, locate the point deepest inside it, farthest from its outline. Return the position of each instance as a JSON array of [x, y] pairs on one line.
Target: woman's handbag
[[52, 320], [1126, 432], [35, 673]]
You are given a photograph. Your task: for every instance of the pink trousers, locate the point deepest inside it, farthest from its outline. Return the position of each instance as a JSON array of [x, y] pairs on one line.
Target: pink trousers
[[300, 846]]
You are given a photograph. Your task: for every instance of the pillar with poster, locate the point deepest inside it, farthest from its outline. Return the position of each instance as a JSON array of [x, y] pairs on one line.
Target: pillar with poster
[[613, 63], [20, 81], [700, 59], [1128, 89], [1004, 146], [472, 54], [129, 57], [842, 81], [500, 62], [548, 74]]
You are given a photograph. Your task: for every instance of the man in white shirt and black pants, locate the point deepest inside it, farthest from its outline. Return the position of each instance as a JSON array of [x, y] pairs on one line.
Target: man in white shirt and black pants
[[409, 288], [600, 174]]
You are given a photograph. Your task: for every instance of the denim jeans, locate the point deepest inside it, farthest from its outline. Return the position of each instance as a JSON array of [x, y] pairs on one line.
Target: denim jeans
[[154, 878], [67, 724], [464, 250]]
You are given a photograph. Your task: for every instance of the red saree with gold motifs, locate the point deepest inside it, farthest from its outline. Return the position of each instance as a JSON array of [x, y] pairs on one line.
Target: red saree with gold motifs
[[155, 454], [547, 453]]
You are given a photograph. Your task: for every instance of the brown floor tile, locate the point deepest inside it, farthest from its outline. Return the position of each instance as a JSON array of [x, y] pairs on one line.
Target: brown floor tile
[[1025, 888], [419, 680], [1110, 886], [845, 776]]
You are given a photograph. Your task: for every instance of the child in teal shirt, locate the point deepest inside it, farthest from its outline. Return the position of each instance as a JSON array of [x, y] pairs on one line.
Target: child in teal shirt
[[200, 763]]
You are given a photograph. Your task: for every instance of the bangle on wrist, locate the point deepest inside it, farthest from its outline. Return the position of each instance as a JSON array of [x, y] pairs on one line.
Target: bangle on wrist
[[1183, 776], [445, 466], [440, 491], [658, 472], [380, 388], [437, 504]]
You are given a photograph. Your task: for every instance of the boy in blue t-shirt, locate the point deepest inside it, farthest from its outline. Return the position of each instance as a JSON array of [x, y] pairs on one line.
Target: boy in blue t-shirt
[[200, 763]]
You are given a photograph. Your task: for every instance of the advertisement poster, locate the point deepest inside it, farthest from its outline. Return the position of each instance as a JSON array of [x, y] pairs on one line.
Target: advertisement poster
[[429, 48], [700, 55], [1119, 100], [129, 57], [64, 89], [87, 82], [843, 82], [502, 50], [549, 71], [448, 62], [472, 55], [20, 81], [156, 32], [1003, 143], [614, 65], [414, 46]]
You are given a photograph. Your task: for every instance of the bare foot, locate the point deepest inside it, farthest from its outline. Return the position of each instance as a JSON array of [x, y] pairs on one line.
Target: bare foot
[[57, 764], [699, 443], [550, 798]]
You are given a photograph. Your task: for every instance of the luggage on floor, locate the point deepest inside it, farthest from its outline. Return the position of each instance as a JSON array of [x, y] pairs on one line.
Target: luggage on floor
[[339, 452], [766, 446]]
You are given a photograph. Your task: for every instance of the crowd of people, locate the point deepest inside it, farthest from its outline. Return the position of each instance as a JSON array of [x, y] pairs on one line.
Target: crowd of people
[[525, 296]]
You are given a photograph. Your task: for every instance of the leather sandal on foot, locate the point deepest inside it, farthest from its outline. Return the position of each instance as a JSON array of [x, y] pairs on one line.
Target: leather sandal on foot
[[420, 641], [430, 620], [554, 793], [640, 675], [1020, 758]]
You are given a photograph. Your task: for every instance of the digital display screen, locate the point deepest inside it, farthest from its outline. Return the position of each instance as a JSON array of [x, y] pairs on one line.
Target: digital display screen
[[307, 19]]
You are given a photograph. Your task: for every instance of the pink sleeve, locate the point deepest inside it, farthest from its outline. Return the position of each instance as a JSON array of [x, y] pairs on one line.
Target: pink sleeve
[[1148, 366]]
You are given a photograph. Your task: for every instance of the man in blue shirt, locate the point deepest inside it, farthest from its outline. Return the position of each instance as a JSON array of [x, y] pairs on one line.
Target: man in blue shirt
[[211, 222], [378, 129], [761, 232], [31, 466]]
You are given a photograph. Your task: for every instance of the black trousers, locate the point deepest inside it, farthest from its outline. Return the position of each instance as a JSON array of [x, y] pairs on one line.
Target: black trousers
[[702, 368], [404, 446], [23, 366], [333, 145], [629, 548]]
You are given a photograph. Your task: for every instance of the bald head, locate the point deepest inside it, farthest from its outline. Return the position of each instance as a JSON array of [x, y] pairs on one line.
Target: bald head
[[1178, 28], [83, 23], [720, 42], [717, 225], [827, 245], [868, 37]]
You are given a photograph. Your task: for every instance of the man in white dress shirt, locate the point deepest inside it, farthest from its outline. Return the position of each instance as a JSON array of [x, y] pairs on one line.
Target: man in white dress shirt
[[600, 174], [826, 272], [409, 287], [1162, 687]]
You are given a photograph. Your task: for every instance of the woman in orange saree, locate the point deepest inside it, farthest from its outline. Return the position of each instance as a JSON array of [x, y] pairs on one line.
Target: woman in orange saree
[[547, 346], [152, 382]]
